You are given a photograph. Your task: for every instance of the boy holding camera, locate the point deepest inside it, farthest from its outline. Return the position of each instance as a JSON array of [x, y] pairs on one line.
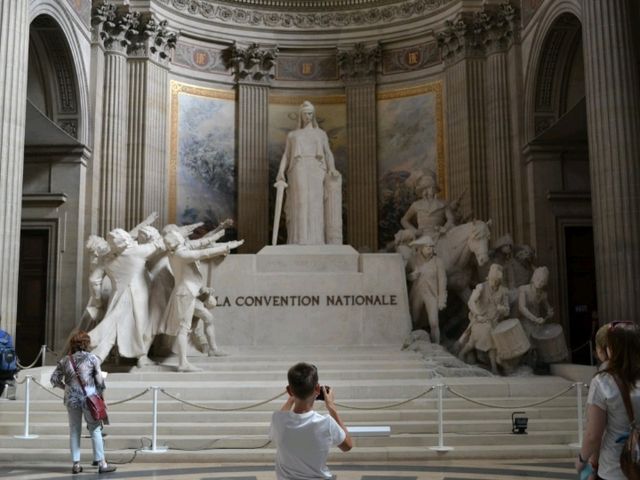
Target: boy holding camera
[[302, 436]]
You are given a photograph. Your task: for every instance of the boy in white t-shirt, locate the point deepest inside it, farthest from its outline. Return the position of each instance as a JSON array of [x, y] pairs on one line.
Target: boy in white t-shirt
[[302, 436]]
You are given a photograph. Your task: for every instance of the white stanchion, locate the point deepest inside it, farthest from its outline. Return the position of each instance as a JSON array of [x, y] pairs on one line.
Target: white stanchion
[[578, 386], [154, 427], [441, 447], [26, 435], [43, 355]]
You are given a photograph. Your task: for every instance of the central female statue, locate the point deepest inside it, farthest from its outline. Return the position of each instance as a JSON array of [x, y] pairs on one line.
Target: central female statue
[[313, 205]]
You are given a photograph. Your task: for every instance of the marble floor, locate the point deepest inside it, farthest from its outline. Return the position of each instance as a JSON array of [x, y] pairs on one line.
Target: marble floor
[[436, 470]]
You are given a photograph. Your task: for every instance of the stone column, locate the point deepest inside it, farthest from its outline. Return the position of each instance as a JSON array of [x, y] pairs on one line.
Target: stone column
[[253, 68], [149, 56], [358, 70], [14, 54], [613, 112], [115, 31], [500, 26], [463, 49]]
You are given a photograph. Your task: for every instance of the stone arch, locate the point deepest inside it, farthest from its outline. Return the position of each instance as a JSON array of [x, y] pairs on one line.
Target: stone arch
[[554, 47], [59, 39]]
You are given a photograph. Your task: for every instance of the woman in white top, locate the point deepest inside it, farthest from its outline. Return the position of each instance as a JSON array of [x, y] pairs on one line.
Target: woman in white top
[[607, 418]]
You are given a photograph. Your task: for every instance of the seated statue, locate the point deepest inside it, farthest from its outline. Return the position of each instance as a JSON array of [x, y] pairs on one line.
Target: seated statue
[[428, 215]]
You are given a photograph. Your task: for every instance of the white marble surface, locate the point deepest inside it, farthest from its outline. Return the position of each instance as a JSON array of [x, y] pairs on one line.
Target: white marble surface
[[303, 308]]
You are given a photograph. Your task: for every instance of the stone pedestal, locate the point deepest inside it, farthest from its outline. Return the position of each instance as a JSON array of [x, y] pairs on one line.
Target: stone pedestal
[[14, 50], [310, 295]]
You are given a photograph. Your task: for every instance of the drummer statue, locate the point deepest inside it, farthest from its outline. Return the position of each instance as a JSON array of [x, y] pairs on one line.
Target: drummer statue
[[533, 305], [488, 305], [429, 284]]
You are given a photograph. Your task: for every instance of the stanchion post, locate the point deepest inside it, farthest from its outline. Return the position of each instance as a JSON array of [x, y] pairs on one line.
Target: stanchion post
[[154, 426], [43, 353], [591, 359], [441, 447], [27, 400], [578, 386]]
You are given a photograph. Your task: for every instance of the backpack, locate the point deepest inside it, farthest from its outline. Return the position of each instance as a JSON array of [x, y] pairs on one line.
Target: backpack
[[630, 456], [8, 357]]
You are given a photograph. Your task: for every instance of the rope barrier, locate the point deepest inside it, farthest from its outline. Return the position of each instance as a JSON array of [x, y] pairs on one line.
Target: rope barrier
[[32, 363], [213, 409], [51, 350], [48, 390], [509, 407], [118, 402], [585, 344], [384, 407]]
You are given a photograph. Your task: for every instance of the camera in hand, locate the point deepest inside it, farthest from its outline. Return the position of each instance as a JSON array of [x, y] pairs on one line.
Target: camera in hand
[[321, 394]]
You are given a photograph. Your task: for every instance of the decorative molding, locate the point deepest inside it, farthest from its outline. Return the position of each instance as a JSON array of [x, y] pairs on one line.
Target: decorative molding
[[291, 14], [503, 28], [82, 9], [298, 99], [114, 27], [360, 63], [198, 57], [529, 9], [294, 67], [252, 64], [70, 126], [407, 59]]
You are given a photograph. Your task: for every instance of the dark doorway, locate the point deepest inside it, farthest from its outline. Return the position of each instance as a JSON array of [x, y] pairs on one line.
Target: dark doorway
[[581, 291], [32, 294]]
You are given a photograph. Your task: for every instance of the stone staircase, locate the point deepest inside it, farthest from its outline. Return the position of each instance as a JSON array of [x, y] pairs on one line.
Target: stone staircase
[[364, 377]]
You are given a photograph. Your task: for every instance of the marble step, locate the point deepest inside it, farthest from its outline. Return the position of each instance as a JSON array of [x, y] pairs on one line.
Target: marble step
[[240, 428], [192, 415], [267, 455]]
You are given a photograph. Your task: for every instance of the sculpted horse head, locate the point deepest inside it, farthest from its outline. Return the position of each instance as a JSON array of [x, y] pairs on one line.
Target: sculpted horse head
[[462, 241]]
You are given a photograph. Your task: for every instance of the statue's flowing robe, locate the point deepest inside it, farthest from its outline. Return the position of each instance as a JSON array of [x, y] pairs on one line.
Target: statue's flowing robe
[[311, 199]]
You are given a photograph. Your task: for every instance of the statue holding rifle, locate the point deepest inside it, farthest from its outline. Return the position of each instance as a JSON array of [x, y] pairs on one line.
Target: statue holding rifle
[[313, 204]]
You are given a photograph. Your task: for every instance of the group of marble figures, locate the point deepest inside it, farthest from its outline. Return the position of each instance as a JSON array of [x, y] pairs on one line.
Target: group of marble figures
[[156, 286], [508, 309], [145, 283]]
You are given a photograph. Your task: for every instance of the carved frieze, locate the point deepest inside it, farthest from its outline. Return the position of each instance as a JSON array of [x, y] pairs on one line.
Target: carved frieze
[[406, 59], [306, 14], [295, 67], [198, 57], [360, 63], [254, 64]]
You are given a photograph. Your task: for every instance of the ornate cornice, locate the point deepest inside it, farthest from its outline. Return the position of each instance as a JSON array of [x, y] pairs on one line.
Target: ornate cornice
[[360, 63], [306, 14], [474, 34], [252, 64]]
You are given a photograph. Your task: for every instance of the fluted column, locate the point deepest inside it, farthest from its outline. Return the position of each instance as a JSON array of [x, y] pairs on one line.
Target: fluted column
[[253, 69], [613, 109], [116, 29], [463, 52], [14, 53], [358, 68], [147, 123], [500, 27]]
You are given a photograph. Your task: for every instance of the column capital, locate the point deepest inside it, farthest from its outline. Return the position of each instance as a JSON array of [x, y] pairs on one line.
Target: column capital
[[113, 27], [360, 64], [476, 34], [252, 64], [154, 41]]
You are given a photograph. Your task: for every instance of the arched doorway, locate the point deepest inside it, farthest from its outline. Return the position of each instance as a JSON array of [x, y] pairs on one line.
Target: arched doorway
[[557, 168], [53, 183]]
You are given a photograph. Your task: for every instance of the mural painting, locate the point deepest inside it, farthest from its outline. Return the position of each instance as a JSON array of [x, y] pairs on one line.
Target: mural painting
[[410, 143], [331, 113], [202, 180]]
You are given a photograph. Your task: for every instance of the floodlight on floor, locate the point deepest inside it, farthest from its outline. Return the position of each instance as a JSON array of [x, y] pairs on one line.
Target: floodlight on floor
[[520, 421]]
